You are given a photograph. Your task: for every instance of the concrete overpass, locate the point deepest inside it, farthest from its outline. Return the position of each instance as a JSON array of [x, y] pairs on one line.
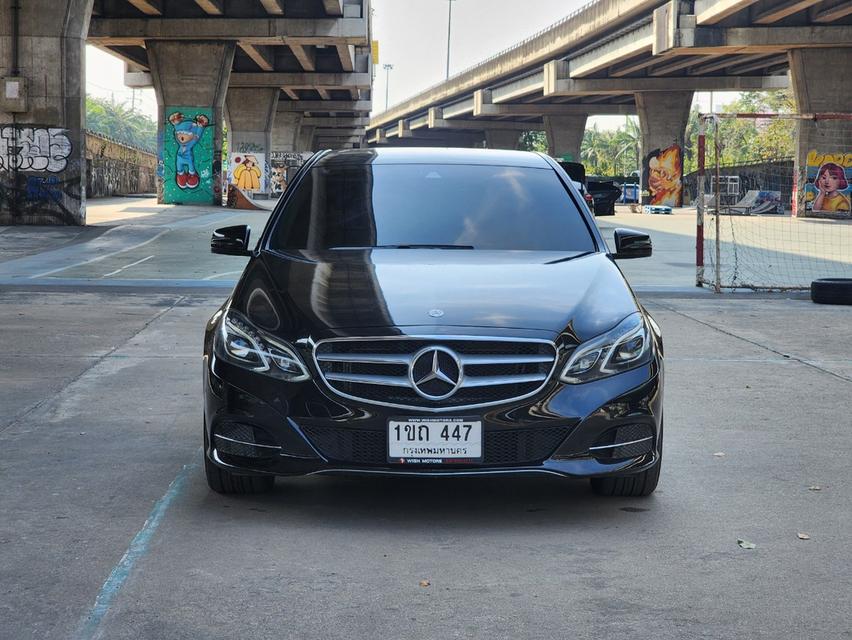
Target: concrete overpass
[[644, 57], [286, 76]]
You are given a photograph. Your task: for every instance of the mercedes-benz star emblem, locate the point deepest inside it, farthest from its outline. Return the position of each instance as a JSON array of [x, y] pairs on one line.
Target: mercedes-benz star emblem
[[436, 313], [435, 373]]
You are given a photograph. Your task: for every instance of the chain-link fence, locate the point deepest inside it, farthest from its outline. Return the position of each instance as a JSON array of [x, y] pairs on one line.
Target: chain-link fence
[[774, 223]]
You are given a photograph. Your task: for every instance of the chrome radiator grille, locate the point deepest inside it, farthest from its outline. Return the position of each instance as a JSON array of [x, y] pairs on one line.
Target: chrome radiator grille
[[435, 373]]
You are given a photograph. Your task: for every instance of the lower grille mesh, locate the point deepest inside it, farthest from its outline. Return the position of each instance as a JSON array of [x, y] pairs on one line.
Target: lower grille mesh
[[503, 447]]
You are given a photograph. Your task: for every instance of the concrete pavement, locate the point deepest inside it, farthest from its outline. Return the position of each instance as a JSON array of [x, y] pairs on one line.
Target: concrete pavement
[[109, 530], [90, 440]]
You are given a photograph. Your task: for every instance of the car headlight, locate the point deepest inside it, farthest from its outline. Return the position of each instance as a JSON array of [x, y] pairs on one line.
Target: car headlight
[[625, 347], [240, 343]]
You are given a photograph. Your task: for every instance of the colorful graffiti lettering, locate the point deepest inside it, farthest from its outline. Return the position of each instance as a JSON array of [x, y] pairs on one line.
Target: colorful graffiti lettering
[[664, 176], [41, 200], [249, 147], [44, 188], [816, 159], [187, 156], [29, 148]]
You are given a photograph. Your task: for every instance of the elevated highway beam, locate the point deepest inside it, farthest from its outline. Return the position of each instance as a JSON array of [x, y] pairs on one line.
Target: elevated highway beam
[[557, 82], [326, 106], [257, 31]]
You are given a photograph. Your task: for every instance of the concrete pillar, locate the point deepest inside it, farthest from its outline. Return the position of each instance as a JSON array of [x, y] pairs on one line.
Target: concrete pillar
[[306, 139], [251, 118], [565, 135], [662, 121], [823, 141], [285, 132], [42, 112], [502, 139], [190, 80]]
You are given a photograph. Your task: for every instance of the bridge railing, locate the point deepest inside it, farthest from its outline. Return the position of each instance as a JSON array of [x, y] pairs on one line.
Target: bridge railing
[[503, 52]]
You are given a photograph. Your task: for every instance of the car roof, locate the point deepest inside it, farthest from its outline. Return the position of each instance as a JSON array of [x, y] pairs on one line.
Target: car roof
[[431, 155]]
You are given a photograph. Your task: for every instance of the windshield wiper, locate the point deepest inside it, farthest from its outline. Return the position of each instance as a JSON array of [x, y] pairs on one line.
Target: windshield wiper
[[572, 257], [424, 246]]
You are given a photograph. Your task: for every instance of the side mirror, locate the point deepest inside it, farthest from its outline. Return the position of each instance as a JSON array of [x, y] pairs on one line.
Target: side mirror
[[231, 241], [631, 244]]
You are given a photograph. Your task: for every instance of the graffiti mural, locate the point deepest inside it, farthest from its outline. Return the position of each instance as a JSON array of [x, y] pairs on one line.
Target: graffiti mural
[[187, 156], [664, 176], [32, 148], [829, 176], [248, 171], [32, 191], [283, 167]]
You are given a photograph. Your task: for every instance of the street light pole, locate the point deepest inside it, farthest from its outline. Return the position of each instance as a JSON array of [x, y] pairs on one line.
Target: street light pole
[[449, 31], [388, 68]]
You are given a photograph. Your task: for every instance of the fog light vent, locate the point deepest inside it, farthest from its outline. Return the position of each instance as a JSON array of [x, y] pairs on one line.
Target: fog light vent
[[236, 439], [626, 441]]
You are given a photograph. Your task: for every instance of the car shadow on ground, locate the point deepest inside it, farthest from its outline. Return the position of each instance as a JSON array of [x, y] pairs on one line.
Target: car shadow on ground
[[365, 503]]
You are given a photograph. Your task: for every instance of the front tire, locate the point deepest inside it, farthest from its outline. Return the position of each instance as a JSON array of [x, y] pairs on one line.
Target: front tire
[[225, 482], [635, 485]]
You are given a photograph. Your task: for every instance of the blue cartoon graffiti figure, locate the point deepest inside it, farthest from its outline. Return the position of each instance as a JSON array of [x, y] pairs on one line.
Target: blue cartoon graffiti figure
[[187, 134]]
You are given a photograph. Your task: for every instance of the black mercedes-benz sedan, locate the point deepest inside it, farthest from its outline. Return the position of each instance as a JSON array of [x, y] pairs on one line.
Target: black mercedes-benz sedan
[[434, 312]]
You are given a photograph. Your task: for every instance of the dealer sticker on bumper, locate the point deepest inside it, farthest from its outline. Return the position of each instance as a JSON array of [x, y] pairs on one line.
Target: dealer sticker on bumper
[[434, 440]]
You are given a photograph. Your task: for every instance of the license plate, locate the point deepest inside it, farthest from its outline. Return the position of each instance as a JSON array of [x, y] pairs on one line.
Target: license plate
[[434, 440]]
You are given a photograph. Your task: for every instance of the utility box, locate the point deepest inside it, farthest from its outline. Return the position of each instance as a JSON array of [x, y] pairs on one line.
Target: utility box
[[13, 94]]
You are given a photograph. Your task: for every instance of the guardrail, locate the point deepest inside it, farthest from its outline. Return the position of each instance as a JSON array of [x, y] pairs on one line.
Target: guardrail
[[505, 51]]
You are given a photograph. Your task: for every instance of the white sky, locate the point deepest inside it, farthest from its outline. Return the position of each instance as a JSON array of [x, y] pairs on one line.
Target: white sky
[[412, 36]]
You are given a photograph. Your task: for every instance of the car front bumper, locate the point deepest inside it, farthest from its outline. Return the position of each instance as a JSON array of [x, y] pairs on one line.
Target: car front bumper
[[606, 427]]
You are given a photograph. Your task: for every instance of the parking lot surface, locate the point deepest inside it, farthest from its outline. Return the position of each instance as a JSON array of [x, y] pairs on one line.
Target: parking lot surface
[[109, 529]]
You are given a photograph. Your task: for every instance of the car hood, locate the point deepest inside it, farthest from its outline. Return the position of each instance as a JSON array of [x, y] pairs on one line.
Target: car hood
[[359, 289]]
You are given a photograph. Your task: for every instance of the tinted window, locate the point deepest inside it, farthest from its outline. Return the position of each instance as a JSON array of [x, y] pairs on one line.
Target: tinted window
[[486, 207]]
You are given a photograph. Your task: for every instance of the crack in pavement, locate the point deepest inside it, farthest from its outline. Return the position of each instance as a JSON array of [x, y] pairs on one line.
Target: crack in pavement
[[730, 334], [34, 407]]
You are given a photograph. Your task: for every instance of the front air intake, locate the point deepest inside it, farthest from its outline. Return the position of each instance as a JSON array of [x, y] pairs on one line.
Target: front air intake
[[626, 441], [243, 440]]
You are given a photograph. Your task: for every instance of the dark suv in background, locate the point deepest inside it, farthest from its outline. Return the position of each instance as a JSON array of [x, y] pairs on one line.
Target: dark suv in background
[[432, 312]]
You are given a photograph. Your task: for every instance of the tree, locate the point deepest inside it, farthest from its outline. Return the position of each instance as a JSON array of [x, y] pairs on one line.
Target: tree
[[746, 140], [120, 123], [533, 141], [611, 152]]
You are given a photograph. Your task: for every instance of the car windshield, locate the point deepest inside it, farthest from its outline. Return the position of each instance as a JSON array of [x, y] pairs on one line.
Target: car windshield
[[431, 206]]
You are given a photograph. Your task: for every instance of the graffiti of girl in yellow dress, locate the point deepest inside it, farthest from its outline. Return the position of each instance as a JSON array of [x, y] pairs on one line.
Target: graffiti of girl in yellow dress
[[247, 174], [830, 182]]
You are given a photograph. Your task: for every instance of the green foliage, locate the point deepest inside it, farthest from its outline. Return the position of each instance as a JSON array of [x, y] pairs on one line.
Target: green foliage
[[612, 152], [745, 141], [120, 123], [616, 152], [533, 141]]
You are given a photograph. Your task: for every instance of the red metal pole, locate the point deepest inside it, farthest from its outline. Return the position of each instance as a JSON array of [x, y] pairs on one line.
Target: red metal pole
[[699, 230]]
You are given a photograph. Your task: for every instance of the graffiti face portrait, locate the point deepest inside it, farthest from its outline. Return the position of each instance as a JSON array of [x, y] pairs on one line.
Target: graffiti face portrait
[[830, 178], [830, 183], [664, 174]]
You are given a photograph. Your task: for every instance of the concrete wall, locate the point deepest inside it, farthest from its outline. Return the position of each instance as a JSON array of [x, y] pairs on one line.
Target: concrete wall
[[42, 168], [762, 176], [116, 169]]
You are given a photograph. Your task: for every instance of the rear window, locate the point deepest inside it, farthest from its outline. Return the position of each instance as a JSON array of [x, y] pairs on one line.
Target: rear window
[[483, 207]]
